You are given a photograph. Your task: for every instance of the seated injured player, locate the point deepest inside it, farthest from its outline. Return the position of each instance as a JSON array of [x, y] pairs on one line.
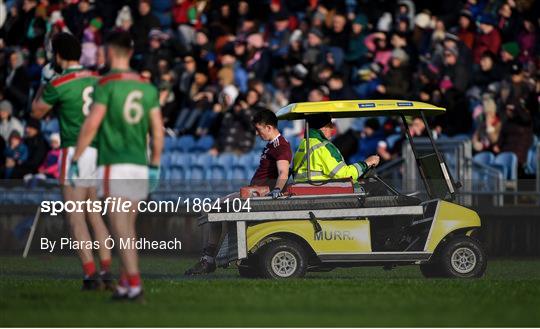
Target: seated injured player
[[273, 171]]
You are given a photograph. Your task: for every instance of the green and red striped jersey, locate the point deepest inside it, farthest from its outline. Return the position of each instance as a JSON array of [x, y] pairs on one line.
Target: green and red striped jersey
[[122, 136], [72, 94]]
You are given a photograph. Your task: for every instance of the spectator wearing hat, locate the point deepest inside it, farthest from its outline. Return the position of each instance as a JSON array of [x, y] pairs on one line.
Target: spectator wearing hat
[[357, 50], [517, 127], [456, 71], [8, 123], [157, 51], [278, 41], [15, 153], [488, 37], [91, 40], [466, 28], [37, 149], [397, 81], [315, 49], [421, 36]]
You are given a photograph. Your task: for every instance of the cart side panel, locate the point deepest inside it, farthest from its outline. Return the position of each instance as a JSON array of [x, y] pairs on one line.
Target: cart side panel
[[336, 236], [450, 217]]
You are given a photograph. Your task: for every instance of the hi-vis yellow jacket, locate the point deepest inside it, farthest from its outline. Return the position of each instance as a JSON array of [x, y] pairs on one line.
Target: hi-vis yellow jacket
[[326, 162]]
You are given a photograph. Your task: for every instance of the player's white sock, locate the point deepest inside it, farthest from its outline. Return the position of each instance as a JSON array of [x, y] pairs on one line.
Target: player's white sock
[[134, 291], [122, 290]]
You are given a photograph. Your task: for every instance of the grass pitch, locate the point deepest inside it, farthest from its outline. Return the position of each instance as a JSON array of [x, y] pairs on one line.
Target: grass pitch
[[44, 291]]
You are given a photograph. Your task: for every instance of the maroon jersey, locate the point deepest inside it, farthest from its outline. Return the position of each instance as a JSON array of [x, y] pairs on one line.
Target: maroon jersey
[[275, 150]]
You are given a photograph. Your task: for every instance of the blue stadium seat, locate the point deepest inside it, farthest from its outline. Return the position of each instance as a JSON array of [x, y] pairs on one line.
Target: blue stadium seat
[[177, 173], [184, 143], [203, 144], [239, 172], [508, 161], [169, 144], [181, 159], [486, 158], [225, 160], [197, 172], [203, 159], [166, 160], [218, 173]]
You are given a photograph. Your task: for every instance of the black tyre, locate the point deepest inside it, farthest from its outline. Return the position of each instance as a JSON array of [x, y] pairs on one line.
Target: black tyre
[[282, 259], [248, 268], [463, 257]]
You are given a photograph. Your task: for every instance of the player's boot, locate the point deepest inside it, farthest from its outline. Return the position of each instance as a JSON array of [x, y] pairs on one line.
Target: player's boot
[[92, 282], [107, 279], [203, 266], [120, 293]]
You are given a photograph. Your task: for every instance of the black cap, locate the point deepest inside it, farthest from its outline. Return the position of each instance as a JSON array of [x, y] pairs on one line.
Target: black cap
[[317, 121]]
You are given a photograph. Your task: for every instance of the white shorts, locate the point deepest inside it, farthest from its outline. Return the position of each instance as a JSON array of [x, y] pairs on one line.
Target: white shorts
[[87, 167], [129, 181]]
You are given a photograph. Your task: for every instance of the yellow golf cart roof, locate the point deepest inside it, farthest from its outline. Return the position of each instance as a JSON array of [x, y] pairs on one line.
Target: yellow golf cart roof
[[358, 108]]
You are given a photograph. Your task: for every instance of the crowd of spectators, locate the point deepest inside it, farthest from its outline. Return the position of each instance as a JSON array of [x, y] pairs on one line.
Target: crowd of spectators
[[217, 62]]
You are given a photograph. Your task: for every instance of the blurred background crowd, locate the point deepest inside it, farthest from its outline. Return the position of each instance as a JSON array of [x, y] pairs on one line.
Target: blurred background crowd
[[217, 62]]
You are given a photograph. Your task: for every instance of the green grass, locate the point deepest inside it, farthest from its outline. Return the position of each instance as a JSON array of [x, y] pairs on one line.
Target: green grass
[[45, 292]]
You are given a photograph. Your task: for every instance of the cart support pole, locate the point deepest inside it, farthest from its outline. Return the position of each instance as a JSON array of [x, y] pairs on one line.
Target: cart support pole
[[308, 153]]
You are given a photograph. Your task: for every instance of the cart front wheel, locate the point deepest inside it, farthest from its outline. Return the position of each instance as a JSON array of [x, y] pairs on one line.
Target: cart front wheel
[[282, 259], [463, 257]]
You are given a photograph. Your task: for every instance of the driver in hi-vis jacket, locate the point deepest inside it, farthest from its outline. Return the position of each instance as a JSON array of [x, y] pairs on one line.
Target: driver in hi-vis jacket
[[325, 161]]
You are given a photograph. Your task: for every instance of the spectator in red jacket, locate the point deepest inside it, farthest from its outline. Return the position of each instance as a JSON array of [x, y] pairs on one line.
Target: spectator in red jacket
[[488, 38]]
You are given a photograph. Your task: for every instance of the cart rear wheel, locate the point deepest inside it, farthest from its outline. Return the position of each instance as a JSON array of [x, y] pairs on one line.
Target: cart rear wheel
[[283, 259], [463, 257]]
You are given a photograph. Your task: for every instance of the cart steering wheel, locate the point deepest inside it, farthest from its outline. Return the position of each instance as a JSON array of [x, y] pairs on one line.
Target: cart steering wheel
[[370, 172]]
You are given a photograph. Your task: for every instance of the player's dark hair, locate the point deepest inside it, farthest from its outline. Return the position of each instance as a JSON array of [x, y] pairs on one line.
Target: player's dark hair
[[66, 46], [265, 117], [120, 40]]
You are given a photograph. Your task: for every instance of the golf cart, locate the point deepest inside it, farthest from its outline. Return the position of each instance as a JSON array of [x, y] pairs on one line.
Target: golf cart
[[322, 225]]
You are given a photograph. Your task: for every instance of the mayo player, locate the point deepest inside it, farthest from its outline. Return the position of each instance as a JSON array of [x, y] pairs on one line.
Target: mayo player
[[124, 112], [71, 94]]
